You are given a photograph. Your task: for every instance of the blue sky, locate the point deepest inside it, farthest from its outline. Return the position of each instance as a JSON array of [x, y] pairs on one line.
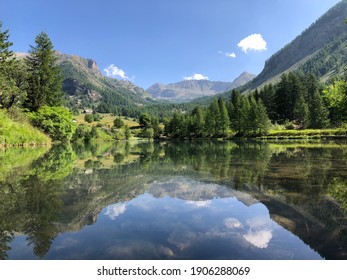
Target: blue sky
[[148, 41]]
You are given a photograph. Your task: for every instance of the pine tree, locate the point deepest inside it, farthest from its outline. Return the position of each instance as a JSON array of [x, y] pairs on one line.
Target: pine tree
[[264, 121], [281, 97], [10, 73], [197, 123], [212, 119], [267, 95], [239, 116], [223, 122], [156, 128], [253, 120], [301, 112], [44, 76], [318, 112]]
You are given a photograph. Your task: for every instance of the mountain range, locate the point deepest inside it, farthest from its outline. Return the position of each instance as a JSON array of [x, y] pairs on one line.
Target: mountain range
[[191, 89], [321, 50]]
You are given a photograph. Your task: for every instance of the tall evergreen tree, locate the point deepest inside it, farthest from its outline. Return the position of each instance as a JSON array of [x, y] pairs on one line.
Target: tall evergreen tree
[[267, 95], [44, 76], [212, 119], [318, 112], [197, 124], [239, 116], [223, 121], [281, 97], [264, 121], [301, 112], [253, 119], [10, 80]]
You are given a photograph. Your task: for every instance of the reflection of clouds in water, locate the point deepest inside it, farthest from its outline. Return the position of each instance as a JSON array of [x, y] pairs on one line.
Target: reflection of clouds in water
[[258, 222], [259, 233], [232, 223], [67, 243], [166, 199], [259, 238], [144, 202], [138, 249], [113, 211], [182, 238], [205, 203]]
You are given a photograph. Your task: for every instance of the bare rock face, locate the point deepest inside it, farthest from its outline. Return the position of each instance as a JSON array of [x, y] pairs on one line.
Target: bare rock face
[[92, 65]]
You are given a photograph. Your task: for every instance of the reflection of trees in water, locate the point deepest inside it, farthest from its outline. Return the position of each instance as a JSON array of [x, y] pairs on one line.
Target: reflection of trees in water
[[53, 195], [42, 207], [30, 202]]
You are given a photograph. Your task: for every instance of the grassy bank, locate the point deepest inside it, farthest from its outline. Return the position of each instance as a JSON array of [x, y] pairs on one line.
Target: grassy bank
[[306, 133], [104, 127], [19, 132]]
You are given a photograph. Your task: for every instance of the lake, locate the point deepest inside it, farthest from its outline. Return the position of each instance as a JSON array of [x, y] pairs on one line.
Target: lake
[[175, 200]]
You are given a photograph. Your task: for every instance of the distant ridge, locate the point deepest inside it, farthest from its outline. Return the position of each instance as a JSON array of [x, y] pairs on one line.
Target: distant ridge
[[191, 89]]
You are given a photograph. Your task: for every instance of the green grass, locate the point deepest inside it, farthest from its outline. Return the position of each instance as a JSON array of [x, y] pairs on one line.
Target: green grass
[[305, 133], [107, 120], [14, 133], [17, 160]]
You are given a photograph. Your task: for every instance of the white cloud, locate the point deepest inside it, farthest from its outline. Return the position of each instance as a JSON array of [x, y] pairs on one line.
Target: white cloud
[[232, 223], [259, 238], [232, 55], [260, 233], [254, 42], [115, 72], [204, 203], [196, 77], [113, 211], [228, 54]]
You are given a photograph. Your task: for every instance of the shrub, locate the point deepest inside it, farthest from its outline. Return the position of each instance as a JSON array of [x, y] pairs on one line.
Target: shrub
[[118, 123], [82, 132], [55, 121], [88, 118]]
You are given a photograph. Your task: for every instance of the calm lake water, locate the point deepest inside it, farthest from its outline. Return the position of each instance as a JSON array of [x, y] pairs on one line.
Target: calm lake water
[[175, 200]]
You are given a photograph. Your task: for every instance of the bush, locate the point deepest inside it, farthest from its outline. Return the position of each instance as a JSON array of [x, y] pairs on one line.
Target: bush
[[89, 118], [147, 133], [81, 133], [289, 125], [118, 123], [55, 121]]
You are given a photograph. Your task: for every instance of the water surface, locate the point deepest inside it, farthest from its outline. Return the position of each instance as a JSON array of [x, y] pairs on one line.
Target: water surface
[[175, 200]]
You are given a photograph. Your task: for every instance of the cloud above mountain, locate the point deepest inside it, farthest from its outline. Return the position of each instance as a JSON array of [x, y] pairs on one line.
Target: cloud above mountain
[[113, 71], [228, 54], [254, 42], [196, 77]]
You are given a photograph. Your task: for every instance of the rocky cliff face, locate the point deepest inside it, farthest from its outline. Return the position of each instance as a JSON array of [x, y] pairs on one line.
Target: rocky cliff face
[[93, 66]]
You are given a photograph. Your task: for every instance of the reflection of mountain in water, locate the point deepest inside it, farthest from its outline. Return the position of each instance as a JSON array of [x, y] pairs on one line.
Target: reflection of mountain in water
[[195, 191], [293, 182]]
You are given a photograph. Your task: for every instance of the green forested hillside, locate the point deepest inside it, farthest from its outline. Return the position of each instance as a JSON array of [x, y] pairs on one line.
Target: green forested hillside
[[319, 50], [88, 88]]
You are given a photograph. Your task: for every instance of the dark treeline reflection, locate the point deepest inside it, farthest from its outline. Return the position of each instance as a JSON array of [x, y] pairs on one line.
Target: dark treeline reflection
[[44, 193]]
